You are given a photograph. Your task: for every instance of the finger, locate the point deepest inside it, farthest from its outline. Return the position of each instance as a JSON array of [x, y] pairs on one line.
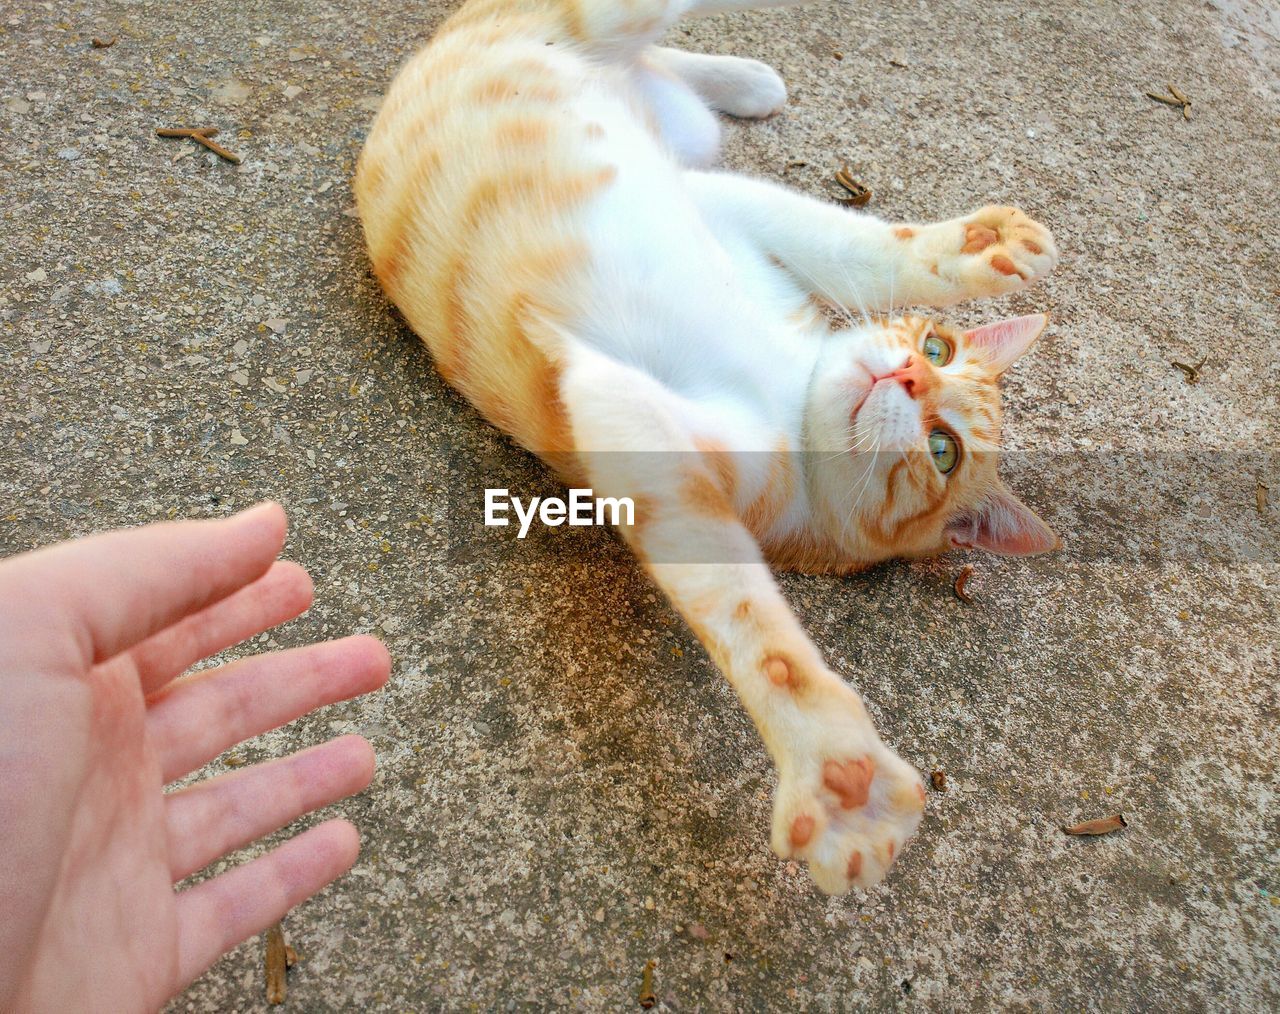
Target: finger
[[108, 592], [218, 914], [192, 720], [283, 592], [212, 818]]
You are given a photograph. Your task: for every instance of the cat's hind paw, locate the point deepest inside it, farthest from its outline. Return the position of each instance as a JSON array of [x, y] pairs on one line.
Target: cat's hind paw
[[745, 88], [996, 250], [846, 805]]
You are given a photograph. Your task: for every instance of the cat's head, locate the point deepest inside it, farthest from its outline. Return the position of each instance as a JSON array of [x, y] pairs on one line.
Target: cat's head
[[903, 430]]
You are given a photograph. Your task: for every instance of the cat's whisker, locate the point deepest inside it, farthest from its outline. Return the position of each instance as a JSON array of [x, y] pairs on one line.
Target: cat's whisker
[[862, 488]]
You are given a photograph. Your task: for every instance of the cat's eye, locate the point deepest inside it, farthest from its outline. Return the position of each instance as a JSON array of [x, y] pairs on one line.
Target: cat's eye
[[938, 350], [944, 450]]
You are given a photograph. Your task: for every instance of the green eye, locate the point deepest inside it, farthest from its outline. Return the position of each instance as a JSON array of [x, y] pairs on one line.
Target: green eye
[[945, 451], [937, 350]]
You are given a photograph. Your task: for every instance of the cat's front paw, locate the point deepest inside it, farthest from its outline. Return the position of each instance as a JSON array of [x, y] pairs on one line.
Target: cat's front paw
[[846, 804], [996, 250]]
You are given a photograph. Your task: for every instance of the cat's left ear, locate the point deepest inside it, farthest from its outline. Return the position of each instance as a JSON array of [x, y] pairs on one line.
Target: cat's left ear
[[1005, 340], [1003, 524]]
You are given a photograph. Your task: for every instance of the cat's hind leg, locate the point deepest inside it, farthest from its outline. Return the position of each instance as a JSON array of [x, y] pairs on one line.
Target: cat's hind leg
[[845, 803], [688, 128], [729, 84]]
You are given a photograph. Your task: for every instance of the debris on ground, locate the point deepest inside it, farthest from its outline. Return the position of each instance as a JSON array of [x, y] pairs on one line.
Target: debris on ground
[[647, 996], [1192, 372], [938, 780], [201, 135], [1101, 825], [1174, 98], [859, 193], [105, 43], [962, 582], [279, 959]]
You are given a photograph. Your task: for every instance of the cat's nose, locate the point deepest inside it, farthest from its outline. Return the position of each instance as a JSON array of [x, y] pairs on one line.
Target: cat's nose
[[912, 375]]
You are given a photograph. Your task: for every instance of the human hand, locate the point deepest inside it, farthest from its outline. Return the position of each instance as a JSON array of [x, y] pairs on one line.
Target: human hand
[[93, 724]]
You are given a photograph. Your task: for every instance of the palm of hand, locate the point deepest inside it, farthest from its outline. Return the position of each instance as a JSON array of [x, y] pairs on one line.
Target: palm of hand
[[95, 844]]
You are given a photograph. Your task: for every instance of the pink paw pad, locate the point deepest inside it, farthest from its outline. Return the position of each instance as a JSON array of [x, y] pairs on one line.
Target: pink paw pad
[[801, 831], [850, 780], [977, 238]]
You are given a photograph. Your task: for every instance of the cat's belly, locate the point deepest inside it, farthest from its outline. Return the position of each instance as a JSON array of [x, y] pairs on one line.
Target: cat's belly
[[516, 200]]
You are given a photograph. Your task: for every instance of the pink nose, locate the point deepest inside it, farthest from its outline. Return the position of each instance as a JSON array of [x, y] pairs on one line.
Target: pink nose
[[912, 375]]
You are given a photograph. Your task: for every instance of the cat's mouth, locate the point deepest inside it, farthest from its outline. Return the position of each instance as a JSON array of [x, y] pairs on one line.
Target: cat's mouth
[[861, 385]]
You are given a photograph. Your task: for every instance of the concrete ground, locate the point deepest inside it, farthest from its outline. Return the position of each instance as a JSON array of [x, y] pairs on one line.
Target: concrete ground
[[567, 789]]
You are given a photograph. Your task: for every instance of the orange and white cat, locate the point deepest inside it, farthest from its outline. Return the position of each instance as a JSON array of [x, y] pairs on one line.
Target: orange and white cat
[[534, 203]]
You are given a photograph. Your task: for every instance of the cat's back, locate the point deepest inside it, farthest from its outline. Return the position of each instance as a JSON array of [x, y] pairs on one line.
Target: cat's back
[[488, 148]]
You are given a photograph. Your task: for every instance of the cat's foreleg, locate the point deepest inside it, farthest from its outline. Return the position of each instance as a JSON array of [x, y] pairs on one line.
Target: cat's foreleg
[[845, 803], [864, 263]]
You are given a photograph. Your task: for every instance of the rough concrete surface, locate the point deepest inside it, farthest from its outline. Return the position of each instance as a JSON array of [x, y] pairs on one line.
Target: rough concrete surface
[[567, 789]]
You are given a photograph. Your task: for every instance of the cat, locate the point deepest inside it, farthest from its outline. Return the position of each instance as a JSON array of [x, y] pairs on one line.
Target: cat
[[536, 201]]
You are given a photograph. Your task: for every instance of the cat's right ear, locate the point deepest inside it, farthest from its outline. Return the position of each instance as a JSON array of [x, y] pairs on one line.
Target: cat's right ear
[[1005, 340], [1003, 524]]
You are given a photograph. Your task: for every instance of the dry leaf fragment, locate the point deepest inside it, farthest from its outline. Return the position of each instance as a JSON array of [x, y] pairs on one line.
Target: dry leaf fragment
[[105, 43], [859, 194], [962, 580], [277, 965], [1262, 496], [647, 996], [1192, 372], [939, 780], [1102, 825]]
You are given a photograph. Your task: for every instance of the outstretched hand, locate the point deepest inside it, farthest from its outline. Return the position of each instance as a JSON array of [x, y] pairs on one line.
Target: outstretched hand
[[94, 721]]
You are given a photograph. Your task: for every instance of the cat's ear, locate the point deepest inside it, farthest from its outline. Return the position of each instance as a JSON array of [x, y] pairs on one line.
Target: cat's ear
[[1005, 340], [1003, 524]]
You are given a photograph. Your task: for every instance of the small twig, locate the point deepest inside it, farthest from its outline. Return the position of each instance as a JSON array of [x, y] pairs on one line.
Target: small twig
[[794, 164], [1192, 372], [1175, 98], [201, 135], [647, 996], [186, 131], [962, 580], [105, 43], [859, 194], [1103, 825], [1262, 492]]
